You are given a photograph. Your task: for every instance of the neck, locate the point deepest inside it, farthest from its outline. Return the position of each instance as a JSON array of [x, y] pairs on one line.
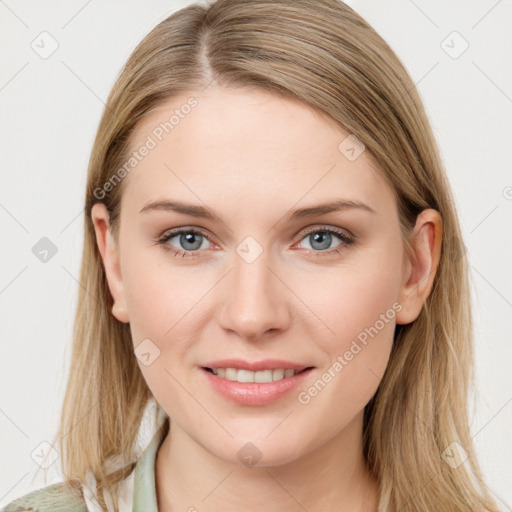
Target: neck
[[332, 477]]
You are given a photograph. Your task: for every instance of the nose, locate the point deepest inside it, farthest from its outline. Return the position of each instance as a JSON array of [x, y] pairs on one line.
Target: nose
[[256, 299]]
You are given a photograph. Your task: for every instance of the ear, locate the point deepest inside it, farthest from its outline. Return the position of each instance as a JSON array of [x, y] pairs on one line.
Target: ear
[[420, 267], [111, 261]]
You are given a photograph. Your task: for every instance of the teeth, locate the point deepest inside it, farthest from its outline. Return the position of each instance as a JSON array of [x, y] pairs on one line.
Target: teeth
[[248, 376]]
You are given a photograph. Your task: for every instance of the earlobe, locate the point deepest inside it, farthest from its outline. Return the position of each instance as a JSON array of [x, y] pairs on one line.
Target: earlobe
[[119, 311], [111, 260], [420, 265]]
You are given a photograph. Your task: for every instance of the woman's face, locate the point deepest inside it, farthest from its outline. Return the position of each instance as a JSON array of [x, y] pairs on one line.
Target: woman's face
[[262, 276]]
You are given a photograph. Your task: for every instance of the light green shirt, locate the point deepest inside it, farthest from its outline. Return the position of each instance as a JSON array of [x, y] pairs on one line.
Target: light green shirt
[[54, 499], [144, 488]]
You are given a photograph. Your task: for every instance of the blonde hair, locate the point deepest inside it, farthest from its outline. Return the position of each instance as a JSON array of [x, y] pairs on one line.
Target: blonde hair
[[323, 54]]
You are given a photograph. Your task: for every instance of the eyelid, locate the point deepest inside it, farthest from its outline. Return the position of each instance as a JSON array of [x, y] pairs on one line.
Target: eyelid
[[343, 233], [169, 233]]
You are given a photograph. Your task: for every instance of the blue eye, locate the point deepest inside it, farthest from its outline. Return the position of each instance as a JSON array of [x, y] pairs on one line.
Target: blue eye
[[191, 241], [320, 239]]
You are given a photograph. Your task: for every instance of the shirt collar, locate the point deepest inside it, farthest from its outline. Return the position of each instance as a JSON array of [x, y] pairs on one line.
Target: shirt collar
[[144, 487]]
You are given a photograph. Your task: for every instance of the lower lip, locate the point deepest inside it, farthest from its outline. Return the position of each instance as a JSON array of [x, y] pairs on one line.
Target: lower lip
[[254, 393]]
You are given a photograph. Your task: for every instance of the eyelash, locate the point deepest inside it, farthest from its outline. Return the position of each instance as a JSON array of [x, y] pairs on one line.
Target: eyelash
[[346, 240]]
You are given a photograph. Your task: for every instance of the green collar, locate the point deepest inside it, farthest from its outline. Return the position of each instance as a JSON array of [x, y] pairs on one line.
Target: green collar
[[144, 486]]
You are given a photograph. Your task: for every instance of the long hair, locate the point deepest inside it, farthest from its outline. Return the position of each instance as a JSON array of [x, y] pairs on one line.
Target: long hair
[[325, 55]]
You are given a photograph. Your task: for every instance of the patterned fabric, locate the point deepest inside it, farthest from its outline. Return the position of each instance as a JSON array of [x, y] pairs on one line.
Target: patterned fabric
[[138, 491]]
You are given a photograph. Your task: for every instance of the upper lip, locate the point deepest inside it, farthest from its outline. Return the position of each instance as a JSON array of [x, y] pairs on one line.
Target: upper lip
[[267, 364]]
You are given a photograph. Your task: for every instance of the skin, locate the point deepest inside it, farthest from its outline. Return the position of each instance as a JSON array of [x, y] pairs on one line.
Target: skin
[[252, 156]]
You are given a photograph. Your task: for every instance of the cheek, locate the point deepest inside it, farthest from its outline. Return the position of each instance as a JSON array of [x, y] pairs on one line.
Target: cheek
[[164, 304], [357, 306], [163, 324], [161, 296], [351, 298]]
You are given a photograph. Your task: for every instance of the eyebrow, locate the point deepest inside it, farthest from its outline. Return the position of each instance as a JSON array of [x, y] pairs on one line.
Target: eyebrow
[[207, 213]]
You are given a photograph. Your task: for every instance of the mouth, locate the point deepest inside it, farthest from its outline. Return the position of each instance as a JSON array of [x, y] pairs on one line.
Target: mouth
[[255, 388], [255, 383]]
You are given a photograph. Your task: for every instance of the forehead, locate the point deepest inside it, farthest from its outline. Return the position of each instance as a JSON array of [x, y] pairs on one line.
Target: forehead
[[234, 143]]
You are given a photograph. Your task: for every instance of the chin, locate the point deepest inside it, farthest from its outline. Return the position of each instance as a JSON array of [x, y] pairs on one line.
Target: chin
[[257, 451]]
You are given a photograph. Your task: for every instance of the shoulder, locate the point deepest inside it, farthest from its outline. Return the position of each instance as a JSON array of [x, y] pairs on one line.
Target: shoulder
[[53, 498]]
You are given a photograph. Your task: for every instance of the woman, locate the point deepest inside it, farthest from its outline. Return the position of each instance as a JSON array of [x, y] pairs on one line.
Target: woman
[[311, 349]]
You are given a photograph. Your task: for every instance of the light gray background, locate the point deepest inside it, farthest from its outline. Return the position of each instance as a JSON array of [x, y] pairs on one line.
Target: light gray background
[[50, 109]]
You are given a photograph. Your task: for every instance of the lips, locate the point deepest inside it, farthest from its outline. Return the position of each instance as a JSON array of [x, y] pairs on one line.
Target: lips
[[254, 366], [256, 393]]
